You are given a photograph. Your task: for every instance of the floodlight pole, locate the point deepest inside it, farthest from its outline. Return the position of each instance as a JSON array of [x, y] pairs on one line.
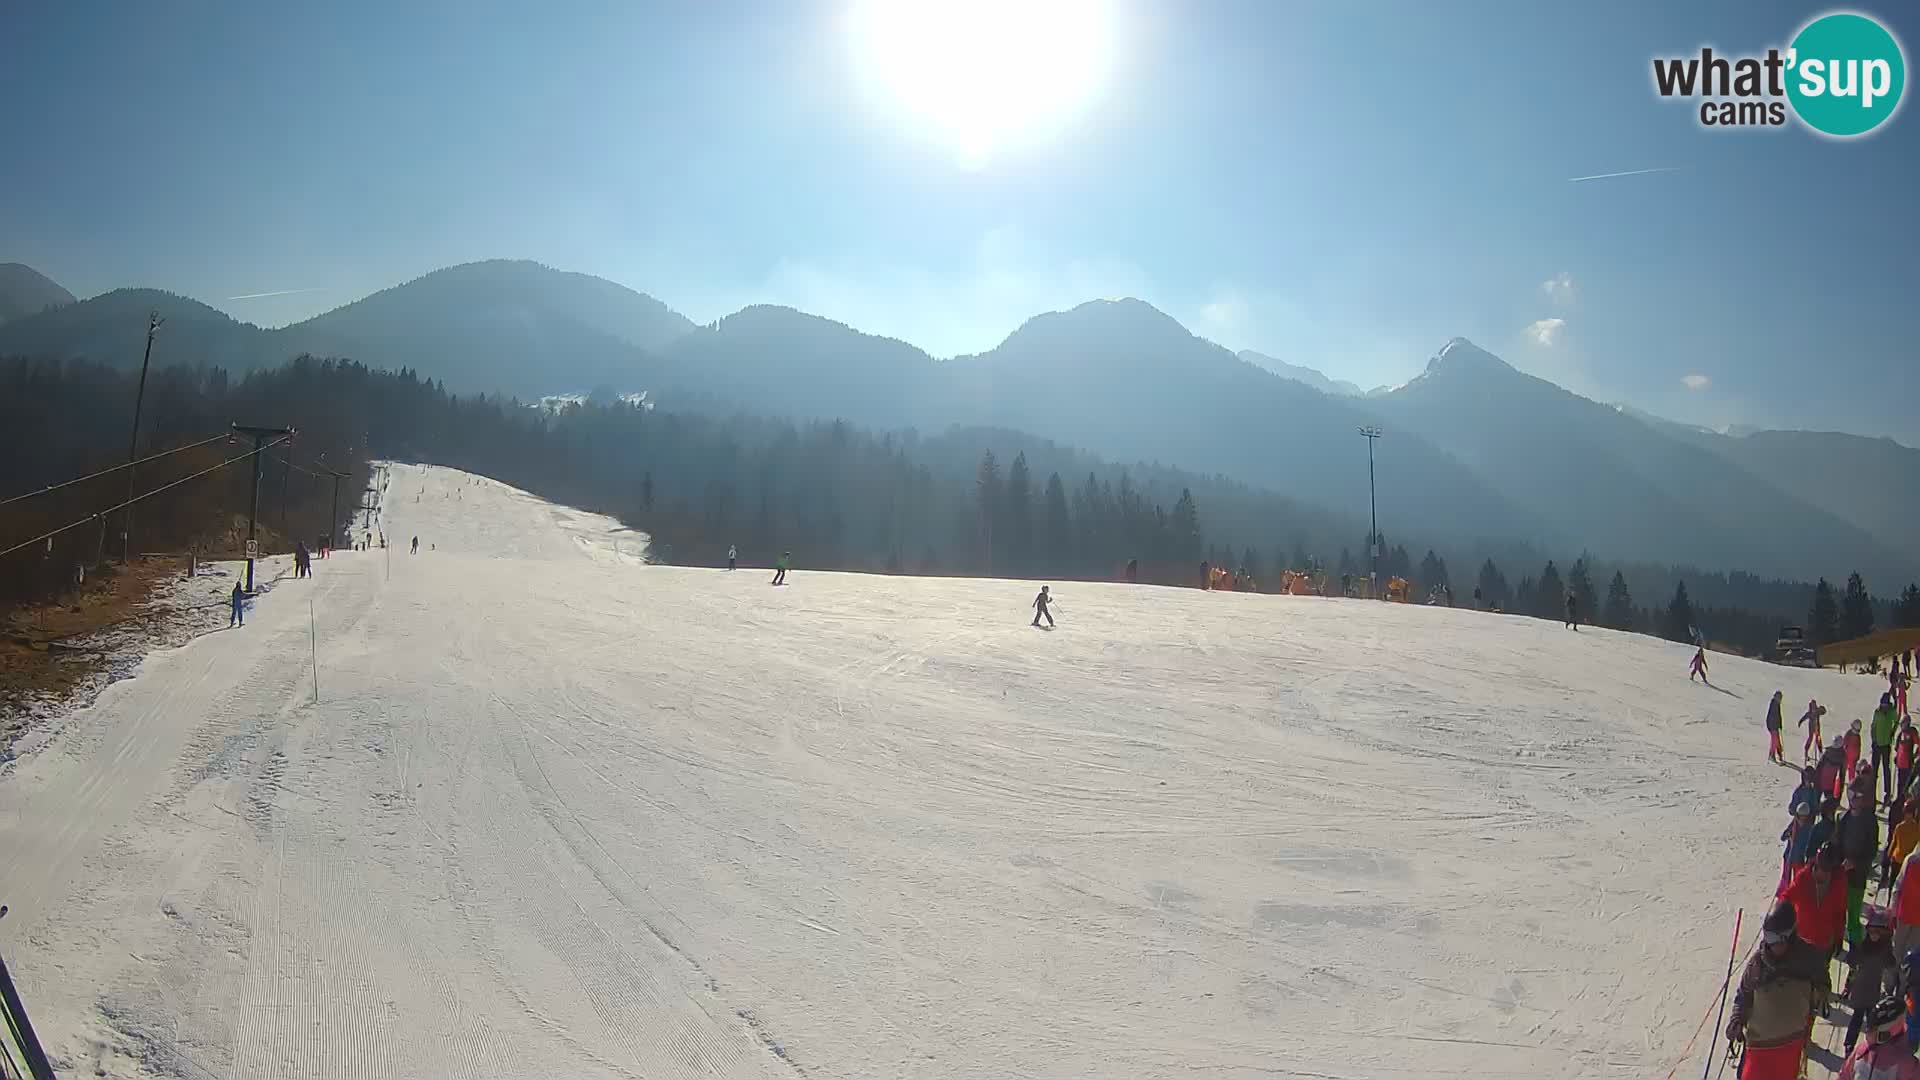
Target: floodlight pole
[[1373, 512]]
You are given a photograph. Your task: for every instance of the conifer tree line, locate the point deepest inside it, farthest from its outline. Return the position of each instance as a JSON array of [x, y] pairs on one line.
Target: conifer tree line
[[963, 502]]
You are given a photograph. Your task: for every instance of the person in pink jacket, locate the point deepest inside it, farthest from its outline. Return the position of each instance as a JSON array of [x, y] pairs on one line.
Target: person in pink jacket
[[1885, 1055]]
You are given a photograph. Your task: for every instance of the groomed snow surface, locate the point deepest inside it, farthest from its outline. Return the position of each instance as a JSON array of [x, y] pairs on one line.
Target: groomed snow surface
[[561, 813]]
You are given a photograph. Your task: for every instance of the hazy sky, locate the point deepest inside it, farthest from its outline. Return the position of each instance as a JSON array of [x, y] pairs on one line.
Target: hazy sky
[[1339, 185]]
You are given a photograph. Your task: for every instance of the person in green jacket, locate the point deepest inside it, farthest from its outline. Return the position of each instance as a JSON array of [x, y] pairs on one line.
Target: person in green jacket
[[1886, 720], [780, 568]]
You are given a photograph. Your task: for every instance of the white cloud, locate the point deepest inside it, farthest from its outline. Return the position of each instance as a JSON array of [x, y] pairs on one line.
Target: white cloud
[[1695, 382], [1545, 331], [1559, 288]]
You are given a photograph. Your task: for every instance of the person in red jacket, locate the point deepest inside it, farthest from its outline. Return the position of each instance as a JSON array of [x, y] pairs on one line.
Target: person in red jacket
[[1850, 742], [1906, 754], [1819, 897]]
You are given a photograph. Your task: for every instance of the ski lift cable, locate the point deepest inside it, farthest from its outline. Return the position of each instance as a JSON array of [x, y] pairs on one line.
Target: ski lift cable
[[116, 468], [97, 515]]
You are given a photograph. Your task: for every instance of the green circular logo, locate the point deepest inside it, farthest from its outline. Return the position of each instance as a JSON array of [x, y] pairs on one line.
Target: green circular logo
[[1845, 76]]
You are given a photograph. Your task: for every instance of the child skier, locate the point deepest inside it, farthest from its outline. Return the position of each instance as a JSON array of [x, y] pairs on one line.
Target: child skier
[[733, 556], [1850, 743], [1888, 1052], [1798, 837], [1040, 607], [780, 568], [1811, 718], [1699, 665], [1873, 972]]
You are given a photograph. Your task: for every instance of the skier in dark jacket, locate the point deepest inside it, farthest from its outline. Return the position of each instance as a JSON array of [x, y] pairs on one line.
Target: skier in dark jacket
[[1040, 607], [1573, 613], [1774, 722], [238, 602], [1872, 970], [1858, 835], [1774, 1004]]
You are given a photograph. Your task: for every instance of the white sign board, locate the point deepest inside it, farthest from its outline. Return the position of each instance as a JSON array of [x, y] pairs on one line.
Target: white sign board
[[253, 549]]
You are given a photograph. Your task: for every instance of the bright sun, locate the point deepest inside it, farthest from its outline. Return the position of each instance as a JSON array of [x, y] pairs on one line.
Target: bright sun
[[982, 75]]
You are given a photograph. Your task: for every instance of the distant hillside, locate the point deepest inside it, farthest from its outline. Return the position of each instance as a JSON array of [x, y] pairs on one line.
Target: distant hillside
[[514, 327], [112, 329], [1619, 485], [1315, 379], [25, 291]]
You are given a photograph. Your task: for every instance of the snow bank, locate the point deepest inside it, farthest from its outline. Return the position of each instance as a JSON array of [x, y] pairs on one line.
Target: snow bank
[[557, 812]]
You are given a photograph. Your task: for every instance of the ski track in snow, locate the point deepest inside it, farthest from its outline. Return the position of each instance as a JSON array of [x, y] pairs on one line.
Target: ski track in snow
[[562, 813]]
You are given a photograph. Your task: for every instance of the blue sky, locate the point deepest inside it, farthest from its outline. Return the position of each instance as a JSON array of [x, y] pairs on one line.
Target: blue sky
[[1344, 186]]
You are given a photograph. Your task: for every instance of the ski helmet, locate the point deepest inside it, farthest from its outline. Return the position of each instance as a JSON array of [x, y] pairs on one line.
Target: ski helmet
[[1779, 924], [1803, 808], [1889, 1016], [1877, 917], [1828, 857]]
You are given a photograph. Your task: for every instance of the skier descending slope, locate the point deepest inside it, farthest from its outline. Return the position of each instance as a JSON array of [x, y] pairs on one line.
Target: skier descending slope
[[1699, 665], [1773, 1006], [1573, 613], [780, 568], [1040, 607]]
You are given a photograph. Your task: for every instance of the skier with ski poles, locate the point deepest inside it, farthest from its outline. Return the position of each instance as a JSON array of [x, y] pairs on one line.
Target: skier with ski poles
[[1040, 607], [1871, 972], [1906, 754], [1699, 666], [1780, 992], [1811, 718]]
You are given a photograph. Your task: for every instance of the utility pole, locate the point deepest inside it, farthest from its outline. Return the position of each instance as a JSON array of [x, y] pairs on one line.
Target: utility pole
[[334, 521], [260, 437], [133, 441], [1373, 513]]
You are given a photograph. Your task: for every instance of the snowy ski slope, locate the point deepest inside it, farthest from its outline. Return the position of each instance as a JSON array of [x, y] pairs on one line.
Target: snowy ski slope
[[561, 813]]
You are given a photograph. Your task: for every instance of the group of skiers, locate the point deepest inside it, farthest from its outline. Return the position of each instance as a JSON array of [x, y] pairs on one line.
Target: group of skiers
[[1821, 910]]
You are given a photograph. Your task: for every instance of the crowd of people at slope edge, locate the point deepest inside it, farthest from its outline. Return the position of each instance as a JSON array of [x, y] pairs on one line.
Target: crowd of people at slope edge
[[1833, 862]]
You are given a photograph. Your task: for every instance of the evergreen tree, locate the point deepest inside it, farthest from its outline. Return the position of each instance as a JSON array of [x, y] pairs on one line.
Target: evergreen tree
[[1524, 595], [646, 492], [1056, 529], [1823, 619], [1019, 517], [1493, 587], [1250, 562], [1550, 596], [1856, 609], [1906, 609], [1398, 563], [989, 492], [1679, 622], [1184, 527], [1580, 587], [1433, 572], [1346, 563], [1619, 612], [1299, 559]]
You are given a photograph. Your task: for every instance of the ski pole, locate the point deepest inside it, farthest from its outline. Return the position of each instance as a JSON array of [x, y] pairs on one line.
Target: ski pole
[[1732, 953]]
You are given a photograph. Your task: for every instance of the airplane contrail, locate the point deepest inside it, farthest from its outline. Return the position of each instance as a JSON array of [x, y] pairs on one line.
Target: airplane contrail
[[1629, 172], [282, 292]]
